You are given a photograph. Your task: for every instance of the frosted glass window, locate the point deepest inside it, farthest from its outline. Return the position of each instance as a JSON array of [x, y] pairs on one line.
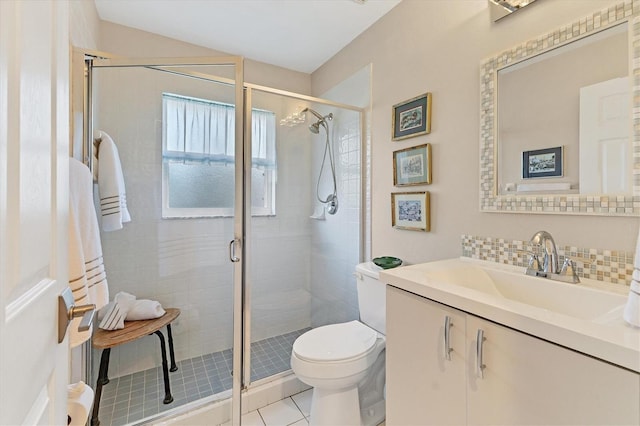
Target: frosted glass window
[[198, 150]]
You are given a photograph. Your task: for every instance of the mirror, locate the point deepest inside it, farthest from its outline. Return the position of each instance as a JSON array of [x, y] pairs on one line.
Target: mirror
[[501, 8], [556, 132], [548, 102]]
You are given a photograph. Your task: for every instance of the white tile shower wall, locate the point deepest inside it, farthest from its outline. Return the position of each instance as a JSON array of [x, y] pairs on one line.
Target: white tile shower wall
[[336, 241], [614, 266], [184, 263]]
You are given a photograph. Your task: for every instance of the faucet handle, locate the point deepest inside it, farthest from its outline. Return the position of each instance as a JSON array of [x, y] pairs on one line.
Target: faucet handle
[[584, 260], [533, 268], [569, 270]]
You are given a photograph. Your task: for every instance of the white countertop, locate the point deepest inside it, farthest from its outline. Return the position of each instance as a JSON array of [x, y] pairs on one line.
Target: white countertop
[[607, 337]]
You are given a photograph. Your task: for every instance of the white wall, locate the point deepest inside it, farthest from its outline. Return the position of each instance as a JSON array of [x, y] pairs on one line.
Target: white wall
[[336, 240], [336, 248], [437, 46], [85, 24]]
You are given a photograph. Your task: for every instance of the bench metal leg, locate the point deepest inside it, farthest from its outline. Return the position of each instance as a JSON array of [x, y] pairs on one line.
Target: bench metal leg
[[168, 399], [103, 379], [174, 367]]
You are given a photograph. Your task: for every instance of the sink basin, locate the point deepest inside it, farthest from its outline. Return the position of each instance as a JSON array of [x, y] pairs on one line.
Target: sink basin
[[584, 300]]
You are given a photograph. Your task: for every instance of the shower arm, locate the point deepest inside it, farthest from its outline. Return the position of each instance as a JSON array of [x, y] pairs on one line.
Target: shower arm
[[321, 118]]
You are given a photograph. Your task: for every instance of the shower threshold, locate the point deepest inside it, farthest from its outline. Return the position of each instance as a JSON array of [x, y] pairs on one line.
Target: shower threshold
[[134, 397]]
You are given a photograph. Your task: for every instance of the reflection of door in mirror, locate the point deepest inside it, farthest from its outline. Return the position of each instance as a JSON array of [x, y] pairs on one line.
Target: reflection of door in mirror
[[538, 107], [605, 151]]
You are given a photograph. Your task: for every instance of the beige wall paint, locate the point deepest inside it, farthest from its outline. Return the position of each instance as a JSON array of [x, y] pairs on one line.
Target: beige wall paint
[[85, 23], [126, 41], [437, 46]]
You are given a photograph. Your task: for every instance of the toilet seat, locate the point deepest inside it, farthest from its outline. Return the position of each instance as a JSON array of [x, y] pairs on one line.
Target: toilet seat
[[335, 342]]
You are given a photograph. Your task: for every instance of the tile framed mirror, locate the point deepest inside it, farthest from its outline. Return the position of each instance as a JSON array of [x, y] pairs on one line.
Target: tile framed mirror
[[538, 97]]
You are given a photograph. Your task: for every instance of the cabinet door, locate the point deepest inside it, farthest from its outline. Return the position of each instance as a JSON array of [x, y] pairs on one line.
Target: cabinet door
[[423, 386], [531, 381]]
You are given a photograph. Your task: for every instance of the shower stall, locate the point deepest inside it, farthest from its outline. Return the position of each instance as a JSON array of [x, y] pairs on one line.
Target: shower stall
[[235, 220]]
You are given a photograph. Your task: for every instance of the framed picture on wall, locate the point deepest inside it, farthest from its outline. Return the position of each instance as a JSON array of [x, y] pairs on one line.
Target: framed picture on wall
[[411, 118], [542, 163], [412, 166], [411, 210]]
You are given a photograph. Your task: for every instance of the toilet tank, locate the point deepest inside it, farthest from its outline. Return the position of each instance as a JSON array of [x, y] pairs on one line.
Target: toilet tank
[[372, 299]]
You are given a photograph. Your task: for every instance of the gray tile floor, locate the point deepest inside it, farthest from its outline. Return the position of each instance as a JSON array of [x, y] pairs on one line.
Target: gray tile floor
[[129, 399]]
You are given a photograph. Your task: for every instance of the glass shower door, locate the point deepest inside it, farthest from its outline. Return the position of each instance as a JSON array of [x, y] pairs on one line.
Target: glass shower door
[[301, 256], [178, 127]]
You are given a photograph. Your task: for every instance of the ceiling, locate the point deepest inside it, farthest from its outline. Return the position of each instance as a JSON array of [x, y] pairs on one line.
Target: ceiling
[[300, 35]]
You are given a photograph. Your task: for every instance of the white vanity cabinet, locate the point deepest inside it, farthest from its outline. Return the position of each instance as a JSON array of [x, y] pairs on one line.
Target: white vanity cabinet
[[525, 380], [423, 387]]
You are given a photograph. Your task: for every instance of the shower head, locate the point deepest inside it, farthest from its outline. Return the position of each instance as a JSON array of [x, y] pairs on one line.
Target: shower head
[[315, 127]]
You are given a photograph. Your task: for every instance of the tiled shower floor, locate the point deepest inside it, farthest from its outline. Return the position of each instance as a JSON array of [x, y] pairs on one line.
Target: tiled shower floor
[[131, 398]]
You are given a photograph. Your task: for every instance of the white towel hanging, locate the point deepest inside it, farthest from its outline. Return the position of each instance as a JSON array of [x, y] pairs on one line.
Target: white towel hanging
[[87, 277], [113, 196], [631, 312]]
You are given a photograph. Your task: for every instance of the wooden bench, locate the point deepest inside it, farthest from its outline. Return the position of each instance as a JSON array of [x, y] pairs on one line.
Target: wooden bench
[[133, 330]]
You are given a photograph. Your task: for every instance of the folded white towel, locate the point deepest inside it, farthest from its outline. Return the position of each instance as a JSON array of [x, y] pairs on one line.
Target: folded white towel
[[113, 317], [87, 277], [125, 307], [74, 390], [79, 402], [113, 196], [125, 300], [631, 312], [636, 261], [145, 309]]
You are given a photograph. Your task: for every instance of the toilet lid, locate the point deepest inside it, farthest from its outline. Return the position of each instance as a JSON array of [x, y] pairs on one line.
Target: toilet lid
[[335, 342]]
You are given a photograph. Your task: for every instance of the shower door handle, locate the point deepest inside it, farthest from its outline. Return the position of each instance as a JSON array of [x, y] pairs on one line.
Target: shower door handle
[[232, 250]]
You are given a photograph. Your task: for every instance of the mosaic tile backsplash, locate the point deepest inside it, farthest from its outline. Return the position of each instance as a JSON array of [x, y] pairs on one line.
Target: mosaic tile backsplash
[[612, 266]]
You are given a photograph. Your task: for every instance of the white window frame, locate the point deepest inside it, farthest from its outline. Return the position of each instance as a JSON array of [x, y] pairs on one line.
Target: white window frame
[[270, 178]]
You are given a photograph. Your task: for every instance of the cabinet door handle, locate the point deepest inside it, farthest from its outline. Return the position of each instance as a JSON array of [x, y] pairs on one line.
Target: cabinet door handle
[[447, 337], [479, 348]]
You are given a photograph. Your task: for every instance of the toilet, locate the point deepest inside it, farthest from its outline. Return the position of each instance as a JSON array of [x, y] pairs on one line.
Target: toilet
[[345, 362]]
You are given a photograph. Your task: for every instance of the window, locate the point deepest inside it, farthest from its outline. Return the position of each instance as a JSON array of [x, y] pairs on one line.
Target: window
[[198, 149]]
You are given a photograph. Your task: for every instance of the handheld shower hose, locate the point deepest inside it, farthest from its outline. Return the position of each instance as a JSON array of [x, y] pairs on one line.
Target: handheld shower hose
[[332, 199]]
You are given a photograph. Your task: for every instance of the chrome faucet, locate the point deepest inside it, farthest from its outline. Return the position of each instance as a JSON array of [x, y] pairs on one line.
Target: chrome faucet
[[550, 259], [550, 265]]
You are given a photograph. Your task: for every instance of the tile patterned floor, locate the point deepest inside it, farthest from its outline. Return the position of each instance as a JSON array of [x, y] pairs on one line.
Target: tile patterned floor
[[131, 398], [289, 411], [292, 411]]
